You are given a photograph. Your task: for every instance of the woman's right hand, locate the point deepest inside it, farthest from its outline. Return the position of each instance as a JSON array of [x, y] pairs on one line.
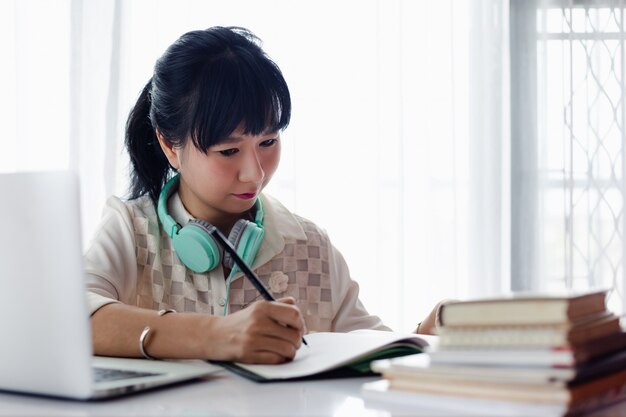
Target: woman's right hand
[[264, 332]]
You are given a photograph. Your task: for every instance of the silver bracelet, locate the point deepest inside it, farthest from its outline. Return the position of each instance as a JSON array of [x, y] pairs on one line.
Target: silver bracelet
[[144, 335], [142, 339]]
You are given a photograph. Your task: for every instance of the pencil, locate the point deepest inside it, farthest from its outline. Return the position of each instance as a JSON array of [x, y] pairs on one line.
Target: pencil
[[249, 273]]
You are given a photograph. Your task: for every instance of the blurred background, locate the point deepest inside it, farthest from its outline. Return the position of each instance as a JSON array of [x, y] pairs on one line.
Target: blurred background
[[452, 149]]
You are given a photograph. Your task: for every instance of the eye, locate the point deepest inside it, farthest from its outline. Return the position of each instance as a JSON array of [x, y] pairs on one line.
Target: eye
[[268, 143], [229, 152]]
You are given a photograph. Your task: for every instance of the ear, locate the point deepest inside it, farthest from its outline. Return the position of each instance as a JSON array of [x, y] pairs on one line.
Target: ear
[[172, 153]]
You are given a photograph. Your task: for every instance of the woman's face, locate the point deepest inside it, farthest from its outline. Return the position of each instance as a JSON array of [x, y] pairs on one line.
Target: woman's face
[[224, 183]]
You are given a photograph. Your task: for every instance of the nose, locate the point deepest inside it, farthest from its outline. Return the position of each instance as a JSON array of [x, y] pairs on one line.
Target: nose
[[251, 169]]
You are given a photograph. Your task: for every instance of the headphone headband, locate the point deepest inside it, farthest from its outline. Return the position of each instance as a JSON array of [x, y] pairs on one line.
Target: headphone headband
[[169, 224], [193, 243]]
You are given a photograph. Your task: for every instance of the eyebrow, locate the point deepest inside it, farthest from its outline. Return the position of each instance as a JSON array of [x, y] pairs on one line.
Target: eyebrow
[[237, 138], [232, 139]]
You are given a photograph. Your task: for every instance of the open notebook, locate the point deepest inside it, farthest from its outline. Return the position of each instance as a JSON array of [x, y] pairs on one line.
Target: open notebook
[[331, 355], [44, 322]]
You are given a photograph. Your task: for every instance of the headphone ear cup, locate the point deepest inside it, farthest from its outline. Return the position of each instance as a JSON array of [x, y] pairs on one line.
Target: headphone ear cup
[[196, 248], [246, 237]]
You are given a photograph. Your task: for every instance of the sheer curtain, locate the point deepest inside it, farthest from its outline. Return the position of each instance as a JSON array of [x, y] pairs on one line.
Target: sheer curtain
[[34, 79], [570, 140], [399, 143]]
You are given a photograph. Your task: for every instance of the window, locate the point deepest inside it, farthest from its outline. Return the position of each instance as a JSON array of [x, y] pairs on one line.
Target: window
[[568, 112]]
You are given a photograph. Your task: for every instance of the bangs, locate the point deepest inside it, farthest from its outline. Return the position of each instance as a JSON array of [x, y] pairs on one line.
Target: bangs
[[239, 88]]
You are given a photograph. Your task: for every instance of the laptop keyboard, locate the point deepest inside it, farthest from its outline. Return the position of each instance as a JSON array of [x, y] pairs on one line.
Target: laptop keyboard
[[107, 375]]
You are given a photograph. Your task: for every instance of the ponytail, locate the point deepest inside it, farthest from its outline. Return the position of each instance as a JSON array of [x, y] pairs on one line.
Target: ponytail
[[150, 168]]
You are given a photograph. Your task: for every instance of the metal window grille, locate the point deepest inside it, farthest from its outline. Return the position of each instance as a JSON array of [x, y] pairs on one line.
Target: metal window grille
[[581, 144]]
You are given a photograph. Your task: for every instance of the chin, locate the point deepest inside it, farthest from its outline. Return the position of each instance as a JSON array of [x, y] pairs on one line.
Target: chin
[[240, 206]]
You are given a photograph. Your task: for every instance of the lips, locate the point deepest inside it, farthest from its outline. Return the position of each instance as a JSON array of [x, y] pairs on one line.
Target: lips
[[245, 196]]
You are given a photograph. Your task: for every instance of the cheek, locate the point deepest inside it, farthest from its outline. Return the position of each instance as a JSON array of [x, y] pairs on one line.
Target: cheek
[[271, 163], [208, 172], [217, 176]]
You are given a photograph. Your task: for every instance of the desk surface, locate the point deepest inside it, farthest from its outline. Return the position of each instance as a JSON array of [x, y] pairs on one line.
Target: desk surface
[[225, 394]]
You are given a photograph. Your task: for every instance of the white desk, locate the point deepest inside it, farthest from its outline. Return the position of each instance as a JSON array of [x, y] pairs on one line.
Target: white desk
[[225, 394], [221, 394]]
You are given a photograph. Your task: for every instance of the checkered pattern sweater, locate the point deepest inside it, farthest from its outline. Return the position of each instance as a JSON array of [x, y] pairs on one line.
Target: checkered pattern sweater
[[131, 260]]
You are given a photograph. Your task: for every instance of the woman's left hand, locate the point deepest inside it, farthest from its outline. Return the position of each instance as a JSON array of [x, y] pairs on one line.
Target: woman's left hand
[[429, 324]]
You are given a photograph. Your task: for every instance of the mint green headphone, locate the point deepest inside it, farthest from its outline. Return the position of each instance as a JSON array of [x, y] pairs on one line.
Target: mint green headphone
[[196, 248]]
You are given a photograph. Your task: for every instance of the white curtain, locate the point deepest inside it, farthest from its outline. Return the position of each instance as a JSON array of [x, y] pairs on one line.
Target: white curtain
[[34, 76], [569, 141], [398, 145]]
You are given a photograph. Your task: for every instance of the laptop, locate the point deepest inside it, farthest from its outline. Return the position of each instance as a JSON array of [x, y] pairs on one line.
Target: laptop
[[45, 345]]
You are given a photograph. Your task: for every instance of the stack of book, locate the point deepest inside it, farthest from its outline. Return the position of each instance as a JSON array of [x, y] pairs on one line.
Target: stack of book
[[565, 354]]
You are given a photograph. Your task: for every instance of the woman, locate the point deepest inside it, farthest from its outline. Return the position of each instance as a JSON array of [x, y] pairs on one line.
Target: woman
[[211, 115]]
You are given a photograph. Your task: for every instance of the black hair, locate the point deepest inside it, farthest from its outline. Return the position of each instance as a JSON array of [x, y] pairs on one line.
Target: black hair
[[205, 85]]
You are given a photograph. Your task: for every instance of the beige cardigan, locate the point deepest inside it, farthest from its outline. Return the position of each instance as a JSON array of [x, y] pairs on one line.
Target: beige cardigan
[[131, 260]]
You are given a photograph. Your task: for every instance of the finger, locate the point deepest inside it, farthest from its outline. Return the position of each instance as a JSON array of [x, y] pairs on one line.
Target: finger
[[286, 314], [287, 300], [292, 301], [275, 319], [277, 330], [264, 357], [276, 346], [269, 346]]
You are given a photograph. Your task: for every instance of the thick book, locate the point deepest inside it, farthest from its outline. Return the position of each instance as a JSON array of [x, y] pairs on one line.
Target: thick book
[[555, 357], [331, 355], [420, 367], [570, 395], [380, 395], [581, 332], [523, 309], [548, 357]]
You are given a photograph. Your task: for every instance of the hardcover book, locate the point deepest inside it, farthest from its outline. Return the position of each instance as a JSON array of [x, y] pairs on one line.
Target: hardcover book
[[531, 335], [524, 308], [421, 367], [570, 396]]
